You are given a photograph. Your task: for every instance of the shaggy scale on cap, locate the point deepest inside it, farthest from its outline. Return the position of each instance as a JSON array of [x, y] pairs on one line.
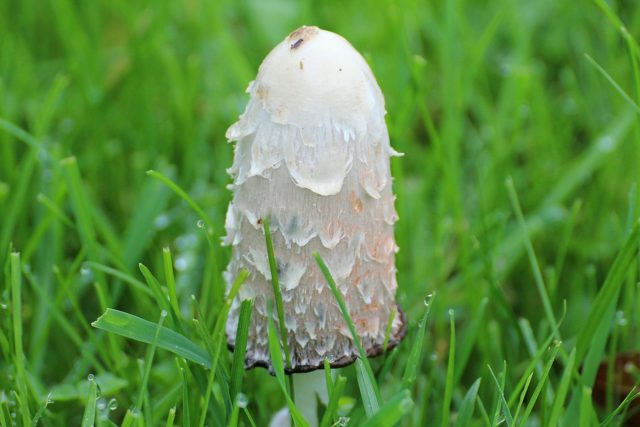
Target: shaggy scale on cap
[[312, 155]]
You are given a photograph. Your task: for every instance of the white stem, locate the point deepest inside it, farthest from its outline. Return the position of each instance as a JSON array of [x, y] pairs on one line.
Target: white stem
[[307, 389]]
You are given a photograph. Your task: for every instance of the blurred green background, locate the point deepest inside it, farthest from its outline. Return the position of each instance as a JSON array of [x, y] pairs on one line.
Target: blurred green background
[[95, 93]]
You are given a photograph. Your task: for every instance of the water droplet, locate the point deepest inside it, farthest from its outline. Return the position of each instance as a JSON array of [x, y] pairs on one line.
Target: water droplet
[[86, 274], [113, 404], [242, 400], [4, 306], [161, 221], [181, 263], [91, 377], [606, 143], [163, 313], [621, 320], [427, 299], [343, 421], [200, 223], [101, 404], [98, 391]]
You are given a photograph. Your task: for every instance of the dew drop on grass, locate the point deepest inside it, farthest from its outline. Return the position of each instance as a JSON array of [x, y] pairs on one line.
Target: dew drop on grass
[[343, 421], [200, 223], [91, 377], [113, 404], [621, 320], [102, 404], [242, 400], [181, 263], [161, 221], [86, 274], [163, 313], [427, 299]]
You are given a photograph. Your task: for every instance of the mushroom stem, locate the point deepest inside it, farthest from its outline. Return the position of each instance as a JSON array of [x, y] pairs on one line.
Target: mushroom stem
[[308, 388]]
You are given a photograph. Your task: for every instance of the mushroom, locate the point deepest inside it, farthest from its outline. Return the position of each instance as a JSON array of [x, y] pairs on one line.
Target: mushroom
[[312, 156]]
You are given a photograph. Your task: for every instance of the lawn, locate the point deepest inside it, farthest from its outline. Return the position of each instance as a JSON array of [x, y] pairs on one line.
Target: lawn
[[518, 197]]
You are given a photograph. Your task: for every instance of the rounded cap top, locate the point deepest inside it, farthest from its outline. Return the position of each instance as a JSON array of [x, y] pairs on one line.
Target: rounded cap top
[[314, 76]]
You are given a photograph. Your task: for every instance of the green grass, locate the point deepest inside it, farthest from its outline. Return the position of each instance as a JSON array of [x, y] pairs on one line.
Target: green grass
[[518, 196]]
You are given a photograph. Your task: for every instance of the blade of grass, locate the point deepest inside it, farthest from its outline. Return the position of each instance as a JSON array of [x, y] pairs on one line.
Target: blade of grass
[[167, 262], [276, 291], [130, 326], [161, 298], [240, 349], [448, 390], [468, 404], [275, 352], [533, 260], [523, 395], [536, 392], [613, 83], [186, 410], [415, 356], [508, 418], [89, 416], [563, 389], [469, 339], [366, 380], [149, 361], [586, 408], [184, 196], [171, 417], [629, 398], [126, 278], [329, 416], [396, 408], [605, 299], [16, 306]]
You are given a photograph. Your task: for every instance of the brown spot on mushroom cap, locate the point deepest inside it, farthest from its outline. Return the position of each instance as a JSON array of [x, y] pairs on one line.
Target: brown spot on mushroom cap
[[303, 33]]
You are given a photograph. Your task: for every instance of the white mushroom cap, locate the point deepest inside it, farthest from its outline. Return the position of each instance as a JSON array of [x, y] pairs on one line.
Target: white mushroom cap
[[316, 76], [312, 154]]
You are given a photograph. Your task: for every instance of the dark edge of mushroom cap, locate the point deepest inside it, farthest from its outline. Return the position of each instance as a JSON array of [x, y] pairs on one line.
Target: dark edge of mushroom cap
[[373, 351]]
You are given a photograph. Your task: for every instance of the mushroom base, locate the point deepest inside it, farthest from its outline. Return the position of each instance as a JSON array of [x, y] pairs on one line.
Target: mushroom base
[[373, 351]]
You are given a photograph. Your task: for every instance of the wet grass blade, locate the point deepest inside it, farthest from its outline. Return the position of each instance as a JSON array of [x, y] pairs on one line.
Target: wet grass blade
[[366, 380], [240, 349], [465, 413], [184, 196], [277, 294], [334, 398], [126, 278], [533, 259], [415, 356], [563, 389], [393, 411], [130, 326], [508, 418], [275, 352], [89, 416], [16, 306], [448, 390], [536, 392], [605, 299], [149, 361]]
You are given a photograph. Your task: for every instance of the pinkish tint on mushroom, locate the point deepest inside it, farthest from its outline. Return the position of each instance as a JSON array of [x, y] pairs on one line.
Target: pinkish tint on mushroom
[[312, 155]]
